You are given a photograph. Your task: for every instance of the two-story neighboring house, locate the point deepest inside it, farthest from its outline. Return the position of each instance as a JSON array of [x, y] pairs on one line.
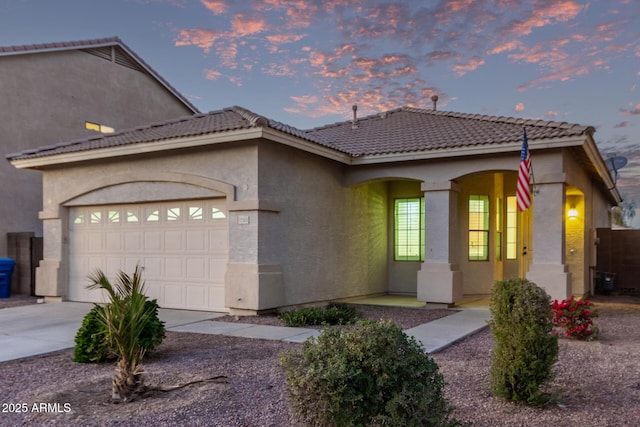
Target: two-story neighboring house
[[57, 92]]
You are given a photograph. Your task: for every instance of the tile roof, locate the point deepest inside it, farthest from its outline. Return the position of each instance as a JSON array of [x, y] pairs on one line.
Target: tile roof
[[229, 119], [402, 130], [406, 130], [92, 44]]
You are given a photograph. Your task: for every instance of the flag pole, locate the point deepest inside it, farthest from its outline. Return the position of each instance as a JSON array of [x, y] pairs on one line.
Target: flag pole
[[523, 188]]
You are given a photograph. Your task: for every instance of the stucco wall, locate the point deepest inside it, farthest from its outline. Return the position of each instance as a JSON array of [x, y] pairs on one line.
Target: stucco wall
[[46, 99], [330, 240], [402, 274], [296, 233]]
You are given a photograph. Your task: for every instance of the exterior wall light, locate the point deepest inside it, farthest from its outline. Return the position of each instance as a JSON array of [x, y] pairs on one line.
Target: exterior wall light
[[572, 213]]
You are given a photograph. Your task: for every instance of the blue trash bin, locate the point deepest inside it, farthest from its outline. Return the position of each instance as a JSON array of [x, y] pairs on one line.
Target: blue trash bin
[[6, 270]]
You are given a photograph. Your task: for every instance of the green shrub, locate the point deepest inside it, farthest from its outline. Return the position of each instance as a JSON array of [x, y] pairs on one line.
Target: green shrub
[[370, 373], [332, 314], [92, 341], [525, 348]]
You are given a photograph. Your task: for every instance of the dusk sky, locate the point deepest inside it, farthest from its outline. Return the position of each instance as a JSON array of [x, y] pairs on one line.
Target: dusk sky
[[305, 63]]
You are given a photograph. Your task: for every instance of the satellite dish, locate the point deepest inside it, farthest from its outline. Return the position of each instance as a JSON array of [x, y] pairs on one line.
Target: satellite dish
[[614, 164]]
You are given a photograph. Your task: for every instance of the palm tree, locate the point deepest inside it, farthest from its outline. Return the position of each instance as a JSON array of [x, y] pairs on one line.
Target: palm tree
[[124, 317]]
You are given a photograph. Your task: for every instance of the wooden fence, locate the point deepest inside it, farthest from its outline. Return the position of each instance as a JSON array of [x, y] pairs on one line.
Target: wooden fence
[[618, 259]]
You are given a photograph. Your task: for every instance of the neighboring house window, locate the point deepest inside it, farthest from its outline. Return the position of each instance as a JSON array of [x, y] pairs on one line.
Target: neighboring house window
[[478, 228], [98, 127], [409, 229], [512, 228]]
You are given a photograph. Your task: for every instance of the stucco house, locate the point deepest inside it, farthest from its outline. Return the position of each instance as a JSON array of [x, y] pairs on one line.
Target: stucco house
[[232, 211], [55, 92]]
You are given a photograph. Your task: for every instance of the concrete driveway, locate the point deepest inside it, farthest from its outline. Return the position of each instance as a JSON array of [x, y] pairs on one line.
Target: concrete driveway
[[42, 328]]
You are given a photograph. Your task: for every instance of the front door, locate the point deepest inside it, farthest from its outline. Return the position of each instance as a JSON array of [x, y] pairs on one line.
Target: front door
[[517, 240]]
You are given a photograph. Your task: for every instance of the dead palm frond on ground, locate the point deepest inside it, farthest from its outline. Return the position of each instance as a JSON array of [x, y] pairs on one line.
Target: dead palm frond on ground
[[125, 317]]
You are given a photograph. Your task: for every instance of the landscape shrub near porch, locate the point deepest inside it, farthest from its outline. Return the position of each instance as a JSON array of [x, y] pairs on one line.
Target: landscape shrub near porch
[[525, 349], [331, 314], [370, 373]]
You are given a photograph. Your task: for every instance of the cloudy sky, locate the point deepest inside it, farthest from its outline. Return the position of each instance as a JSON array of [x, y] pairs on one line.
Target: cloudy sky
[[306, 62]]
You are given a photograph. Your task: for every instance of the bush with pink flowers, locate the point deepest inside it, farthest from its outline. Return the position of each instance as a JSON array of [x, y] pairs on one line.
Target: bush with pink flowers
[[575, 317]]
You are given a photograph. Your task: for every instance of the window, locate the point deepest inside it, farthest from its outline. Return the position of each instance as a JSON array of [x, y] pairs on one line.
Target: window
[[132, 217], [217, 214], [173, 214], [113, 216], [95, 217], [98, 127], [409, 229], [195, 213], [478, 228], [512, 228]]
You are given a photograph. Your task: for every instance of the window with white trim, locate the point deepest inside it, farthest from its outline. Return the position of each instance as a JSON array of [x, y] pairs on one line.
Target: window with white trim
[[478, 228], [512, 228], [409, 229]]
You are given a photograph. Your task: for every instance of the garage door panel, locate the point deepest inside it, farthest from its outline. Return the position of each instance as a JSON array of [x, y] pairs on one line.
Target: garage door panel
[[196, 240], [173, 240], [173, 267], [153, 267], [154, 292], [218, 240], [217, 270], [113, 241], [196, 268], [152, 241], [183, 247], [132, 240], [196, 296], [95, 241], [174, 295]]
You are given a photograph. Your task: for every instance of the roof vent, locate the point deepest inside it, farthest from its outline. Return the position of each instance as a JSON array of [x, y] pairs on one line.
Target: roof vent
[[354, 122], [434, 99]]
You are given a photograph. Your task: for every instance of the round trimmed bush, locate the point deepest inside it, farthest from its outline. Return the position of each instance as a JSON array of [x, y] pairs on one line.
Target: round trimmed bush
[[370, 373]]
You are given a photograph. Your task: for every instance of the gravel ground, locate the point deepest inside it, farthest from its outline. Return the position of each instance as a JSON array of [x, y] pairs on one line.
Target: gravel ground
[[598, 382]]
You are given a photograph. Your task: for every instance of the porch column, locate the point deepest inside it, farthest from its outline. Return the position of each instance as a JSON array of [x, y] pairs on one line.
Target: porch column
[[548, 269], [439, 277]]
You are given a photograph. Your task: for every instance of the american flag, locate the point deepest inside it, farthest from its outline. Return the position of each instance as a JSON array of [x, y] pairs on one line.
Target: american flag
[[523, 191]]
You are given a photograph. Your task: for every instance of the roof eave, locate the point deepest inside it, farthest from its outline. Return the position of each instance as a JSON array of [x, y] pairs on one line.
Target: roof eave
[[598, 162], [509, 147], [308, 146], [44, 161]]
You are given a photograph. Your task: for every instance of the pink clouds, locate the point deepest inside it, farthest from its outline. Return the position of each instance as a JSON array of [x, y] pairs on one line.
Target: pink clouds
[[631, 111], [218, 7], [203, 39], [243, 25], [463, 68], [377, 53]]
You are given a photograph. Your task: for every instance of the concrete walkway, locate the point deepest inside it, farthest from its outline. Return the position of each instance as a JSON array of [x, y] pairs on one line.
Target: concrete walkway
[[41, 328]]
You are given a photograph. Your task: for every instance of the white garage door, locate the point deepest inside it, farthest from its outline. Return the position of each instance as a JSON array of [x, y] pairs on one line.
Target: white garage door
[[183, 247]]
